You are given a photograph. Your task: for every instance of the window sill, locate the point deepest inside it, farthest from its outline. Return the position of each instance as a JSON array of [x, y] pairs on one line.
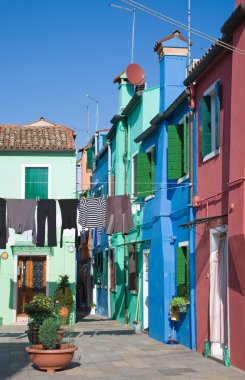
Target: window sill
[[135, 292], [149, 197], [182, 179], [210, 155]]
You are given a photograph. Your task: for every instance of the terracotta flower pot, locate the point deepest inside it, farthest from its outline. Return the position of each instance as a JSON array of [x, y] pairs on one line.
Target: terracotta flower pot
[[34, 338], [50, 360]]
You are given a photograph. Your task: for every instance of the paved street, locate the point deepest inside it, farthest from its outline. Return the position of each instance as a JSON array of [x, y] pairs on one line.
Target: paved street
[[108, 350]]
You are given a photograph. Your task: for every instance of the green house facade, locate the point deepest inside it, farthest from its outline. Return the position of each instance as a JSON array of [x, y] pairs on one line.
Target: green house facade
[[132, 173], [37, 161]]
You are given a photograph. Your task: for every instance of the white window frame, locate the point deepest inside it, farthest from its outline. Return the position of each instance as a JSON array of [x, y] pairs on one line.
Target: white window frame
[[186, 176], [24, 166], [214, 152]]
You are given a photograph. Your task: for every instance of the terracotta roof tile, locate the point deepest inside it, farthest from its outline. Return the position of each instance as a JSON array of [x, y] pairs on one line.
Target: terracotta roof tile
[[40, 135]]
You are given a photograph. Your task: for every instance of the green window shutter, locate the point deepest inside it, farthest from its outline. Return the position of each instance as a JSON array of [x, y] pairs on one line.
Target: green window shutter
[[187, 272], [181, 271], [206, 127], [186, 147], [175, 149], [200, 127], [143, 175], [36, 183], [153, 169], [217, 114], [90, 158]]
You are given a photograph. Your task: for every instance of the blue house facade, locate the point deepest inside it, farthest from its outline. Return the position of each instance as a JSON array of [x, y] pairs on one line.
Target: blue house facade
[[100, 242], [171, 266]]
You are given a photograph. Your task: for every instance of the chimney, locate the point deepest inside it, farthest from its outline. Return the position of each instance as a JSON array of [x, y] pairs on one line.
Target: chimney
[[172, 52], [126, 89]]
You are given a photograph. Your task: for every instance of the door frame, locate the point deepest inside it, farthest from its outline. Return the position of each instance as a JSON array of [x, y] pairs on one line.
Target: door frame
[[213, 236], [15, 292], [145, 286]]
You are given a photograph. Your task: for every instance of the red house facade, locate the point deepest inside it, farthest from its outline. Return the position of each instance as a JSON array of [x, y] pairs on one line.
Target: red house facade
[[217, 86]]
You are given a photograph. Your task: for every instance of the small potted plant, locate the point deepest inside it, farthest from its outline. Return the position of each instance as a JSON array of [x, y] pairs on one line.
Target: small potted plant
[[93, 308], [63, 297], [179, 304], [51, 354], [38, 309]]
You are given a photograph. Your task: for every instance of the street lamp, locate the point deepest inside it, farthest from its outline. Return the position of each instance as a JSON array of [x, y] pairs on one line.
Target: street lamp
[[87, 109], [129, 10], [97, 110]]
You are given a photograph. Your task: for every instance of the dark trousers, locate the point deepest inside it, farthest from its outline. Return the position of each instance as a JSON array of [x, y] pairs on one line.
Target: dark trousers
[[68, 209], [46, 209], [2, 223]]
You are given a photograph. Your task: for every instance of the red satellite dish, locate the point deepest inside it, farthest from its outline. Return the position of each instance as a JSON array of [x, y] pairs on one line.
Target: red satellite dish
[[135, 74]]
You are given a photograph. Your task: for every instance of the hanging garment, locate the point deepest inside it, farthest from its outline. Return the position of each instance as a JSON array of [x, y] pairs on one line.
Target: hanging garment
[[92, 213], [2, 223], [46, 208], [68, 209], [21, 216], [118, 215]]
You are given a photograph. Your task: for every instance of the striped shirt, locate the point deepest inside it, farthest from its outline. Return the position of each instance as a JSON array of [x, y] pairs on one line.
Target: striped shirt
[[92, 213]]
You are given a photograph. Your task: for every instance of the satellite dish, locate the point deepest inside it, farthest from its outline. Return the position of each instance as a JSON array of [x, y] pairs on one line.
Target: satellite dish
[[135, 74]]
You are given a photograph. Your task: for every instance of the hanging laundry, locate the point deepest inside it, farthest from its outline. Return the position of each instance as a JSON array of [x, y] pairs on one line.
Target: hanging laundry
[[92, 213], [68, 209], [46, 209], [2, 223], [21, 216], [118, 215]]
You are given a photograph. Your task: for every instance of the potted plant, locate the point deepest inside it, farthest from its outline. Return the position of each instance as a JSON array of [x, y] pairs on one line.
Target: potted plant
[[179, 304], [63, 297], [38, 309], [93, 308], [51, 354]]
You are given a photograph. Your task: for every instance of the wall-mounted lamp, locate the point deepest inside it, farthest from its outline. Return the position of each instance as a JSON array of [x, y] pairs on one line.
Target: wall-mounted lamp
[[71, 248], [4, 255]]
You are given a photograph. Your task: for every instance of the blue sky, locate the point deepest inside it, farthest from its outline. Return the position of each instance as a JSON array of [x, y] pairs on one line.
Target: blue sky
[[54, 52]]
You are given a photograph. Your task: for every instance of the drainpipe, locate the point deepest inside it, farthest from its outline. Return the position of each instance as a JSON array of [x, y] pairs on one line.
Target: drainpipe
[[96, 144], [192, 237], [109, 237], [124, 237]]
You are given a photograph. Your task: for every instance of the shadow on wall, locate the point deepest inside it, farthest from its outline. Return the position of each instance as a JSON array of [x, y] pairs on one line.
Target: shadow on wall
[[237, 264]]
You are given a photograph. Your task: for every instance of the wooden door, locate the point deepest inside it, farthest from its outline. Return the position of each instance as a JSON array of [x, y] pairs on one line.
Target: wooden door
[[31, 280]]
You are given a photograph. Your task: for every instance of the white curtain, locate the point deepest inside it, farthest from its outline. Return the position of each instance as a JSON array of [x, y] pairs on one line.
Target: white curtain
[[218, 294]]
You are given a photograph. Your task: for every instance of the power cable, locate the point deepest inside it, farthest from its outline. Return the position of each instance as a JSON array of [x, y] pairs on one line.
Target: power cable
[[172, 21]]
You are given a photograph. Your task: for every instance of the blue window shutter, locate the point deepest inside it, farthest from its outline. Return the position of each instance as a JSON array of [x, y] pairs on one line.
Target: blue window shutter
[[175, 151], [217, 114]]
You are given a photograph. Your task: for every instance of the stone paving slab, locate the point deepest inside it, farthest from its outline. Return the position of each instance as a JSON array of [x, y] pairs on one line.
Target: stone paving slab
[[108, 350]]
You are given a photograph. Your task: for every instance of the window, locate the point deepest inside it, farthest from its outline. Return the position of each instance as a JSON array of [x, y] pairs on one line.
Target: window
[[178, 150], [183, 272], [113, 270], [105, 266], [209, 122], [132, 272], [143, 172], [36, 182], [98, 268]]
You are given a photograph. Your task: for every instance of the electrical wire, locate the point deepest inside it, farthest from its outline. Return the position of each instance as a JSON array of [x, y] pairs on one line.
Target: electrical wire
[[175, 22]]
